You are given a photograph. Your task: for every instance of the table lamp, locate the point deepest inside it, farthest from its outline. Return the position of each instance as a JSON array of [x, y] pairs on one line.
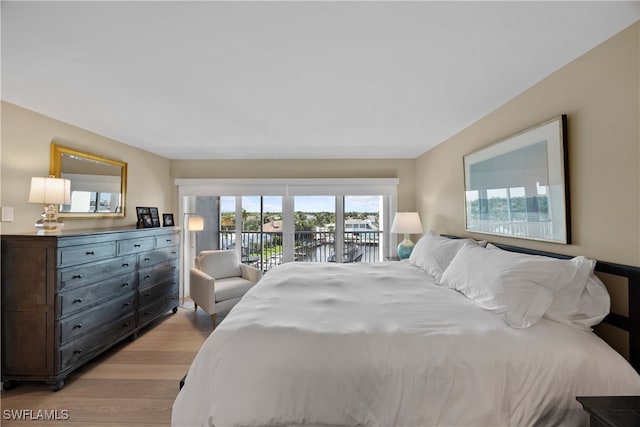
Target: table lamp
[[406, 223], [51, 192]]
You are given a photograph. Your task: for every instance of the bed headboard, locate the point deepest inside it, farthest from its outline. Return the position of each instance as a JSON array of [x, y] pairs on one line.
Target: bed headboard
[[611, 330]]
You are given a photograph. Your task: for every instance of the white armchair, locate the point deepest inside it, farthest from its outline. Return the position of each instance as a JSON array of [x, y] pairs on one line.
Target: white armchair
[[219, 281]]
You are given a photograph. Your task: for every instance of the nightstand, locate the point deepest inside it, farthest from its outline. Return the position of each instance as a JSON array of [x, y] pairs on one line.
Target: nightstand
[[612, 411]]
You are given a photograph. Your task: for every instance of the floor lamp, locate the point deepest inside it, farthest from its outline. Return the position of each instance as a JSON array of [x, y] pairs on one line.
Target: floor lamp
[[193, 223]]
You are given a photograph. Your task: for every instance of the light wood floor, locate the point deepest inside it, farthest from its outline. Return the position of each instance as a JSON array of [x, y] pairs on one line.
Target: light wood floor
[[132, 384]]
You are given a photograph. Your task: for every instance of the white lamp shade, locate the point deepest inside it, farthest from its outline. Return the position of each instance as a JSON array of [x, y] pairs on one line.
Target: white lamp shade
[[50, 190], [195, 223], [407, 223]]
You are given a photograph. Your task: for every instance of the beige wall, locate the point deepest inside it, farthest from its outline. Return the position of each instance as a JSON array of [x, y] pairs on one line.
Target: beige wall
[[600, 93], [26, 139], [329, 168]]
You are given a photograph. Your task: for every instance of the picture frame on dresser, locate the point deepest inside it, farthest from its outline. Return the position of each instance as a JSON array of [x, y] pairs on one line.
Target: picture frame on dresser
[[167, 220], [147, 221], [155, 217], [140, 211]]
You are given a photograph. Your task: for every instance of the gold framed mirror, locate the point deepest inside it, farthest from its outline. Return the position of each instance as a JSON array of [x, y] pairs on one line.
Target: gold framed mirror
[[98, 184]]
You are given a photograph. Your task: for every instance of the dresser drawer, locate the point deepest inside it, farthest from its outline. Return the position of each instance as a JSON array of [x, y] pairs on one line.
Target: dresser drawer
[[133, 246], [85, 321], [154, 275], [83, 347], [158, 292], [168, 240], [74, 277], [157, 256], [75, 255], [147, 314], [82, 298]]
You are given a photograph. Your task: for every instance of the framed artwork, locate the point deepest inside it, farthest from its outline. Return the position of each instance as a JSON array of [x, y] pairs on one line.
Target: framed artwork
[[518, 187], [155, 217], [167, 220]]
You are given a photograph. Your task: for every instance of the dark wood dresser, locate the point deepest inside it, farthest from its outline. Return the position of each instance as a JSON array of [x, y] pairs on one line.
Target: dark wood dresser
[[68, 297]]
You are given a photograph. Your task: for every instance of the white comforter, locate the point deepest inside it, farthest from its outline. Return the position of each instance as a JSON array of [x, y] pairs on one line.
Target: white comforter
[[381, 345]]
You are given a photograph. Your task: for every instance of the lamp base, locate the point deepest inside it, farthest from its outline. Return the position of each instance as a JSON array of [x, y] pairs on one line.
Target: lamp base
[[405, 247], [49, 223]]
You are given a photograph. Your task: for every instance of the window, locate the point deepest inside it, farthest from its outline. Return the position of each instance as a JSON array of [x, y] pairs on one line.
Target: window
[[278, 221], [363, 232], [315, 228]]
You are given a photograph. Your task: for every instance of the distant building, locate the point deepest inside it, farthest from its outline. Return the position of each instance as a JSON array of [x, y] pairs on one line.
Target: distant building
[[358, 225]]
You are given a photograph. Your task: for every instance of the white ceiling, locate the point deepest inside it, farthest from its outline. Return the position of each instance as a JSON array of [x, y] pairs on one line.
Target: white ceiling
[[265, 79]]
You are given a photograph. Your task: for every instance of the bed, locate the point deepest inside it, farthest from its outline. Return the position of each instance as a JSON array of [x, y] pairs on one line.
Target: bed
[[396, 344]]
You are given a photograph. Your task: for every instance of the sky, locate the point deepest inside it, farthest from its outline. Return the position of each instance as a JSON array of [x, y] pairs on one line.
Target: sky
[[304, 203]]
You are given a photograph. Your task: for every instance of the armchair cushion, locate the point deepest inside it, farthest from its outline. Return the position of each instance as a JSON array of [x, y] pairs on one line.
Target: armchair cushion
[[219, 264], [233, 287]]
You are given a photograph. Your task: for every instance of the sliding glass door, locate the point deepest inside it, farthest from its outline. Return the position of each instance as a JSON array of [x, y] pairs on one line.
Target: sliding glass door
[[262, 231], [270, 222], [315, 228], [321, 228], [363, 228]]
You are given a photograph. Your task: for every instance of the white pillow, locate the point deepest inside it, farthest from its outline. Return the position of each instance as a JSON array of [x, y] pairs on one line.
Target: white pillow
[[512, 284], [582, 306], [433, 253], [583, 301]]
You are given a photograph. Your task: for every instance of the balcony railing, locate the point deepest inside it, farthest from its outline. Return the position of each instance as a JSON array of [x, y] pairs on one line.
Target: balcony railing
[[264, 250]]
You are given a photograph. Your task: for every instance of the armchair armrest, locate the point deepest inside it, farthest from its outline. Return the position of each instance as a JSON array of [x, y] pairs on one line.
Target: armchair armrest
[[250, 273], [202, 289]]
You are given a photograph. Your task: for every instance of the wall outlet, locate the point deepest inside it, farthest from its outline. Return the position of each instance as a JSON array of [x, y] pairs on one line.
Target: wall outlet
[[7, 214]]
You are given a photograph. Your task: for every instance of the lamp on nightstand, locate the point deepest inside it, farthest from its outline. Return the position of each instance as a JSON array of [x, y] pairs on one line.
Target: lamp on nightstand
[[406, 223]]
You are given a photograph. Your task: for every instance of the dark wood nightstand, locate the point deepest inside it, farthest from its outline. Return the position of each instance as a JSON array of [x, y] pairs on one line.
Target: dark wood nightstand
[[612, 411]]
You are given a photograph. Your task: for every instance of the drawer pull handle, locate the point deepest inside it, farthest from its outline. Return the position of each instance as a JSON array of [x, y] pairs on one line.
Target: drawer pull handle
[[78, 326], [173, 298], [125, 285], [168, 240], [136, 245], [148, 294], [77, 276], [147, 277], [147, 259], [146, 313], [124, 325], [77, 301], [126, 264], [89, 253], [77, 351], [126, 304], [173, 252]]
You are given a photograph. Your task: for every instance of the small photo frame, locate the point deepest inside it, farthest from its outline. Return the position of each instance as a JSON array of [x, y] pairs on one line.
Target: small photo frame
[[155, 217], [140, 211], [147, 221], [167, 220]]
